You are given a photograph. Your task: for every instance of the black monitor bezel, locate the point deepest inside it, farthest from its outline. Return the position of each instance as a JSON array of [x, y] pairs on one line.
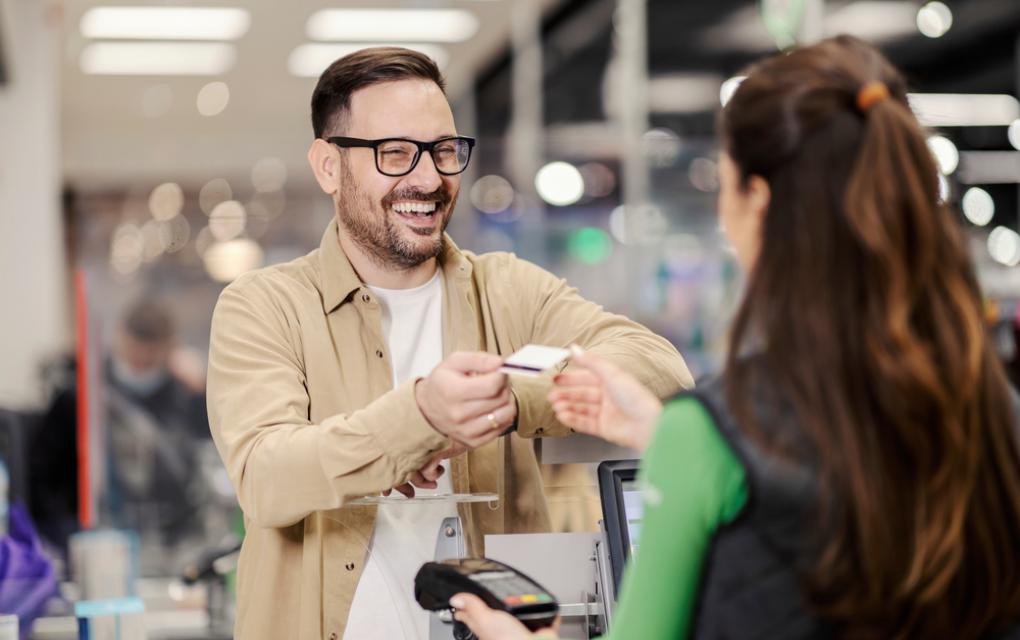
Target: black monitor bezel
[[612, 474]]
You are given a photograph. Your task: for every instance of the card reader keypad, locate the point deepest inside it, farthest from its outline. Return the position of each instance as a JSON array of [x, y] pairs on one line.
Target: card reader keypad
[[515, 590]]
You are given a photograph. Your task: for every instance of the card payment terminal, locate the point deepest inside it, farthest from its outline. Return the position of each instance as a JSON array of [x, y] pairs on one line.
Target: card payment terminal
[[498, 585]]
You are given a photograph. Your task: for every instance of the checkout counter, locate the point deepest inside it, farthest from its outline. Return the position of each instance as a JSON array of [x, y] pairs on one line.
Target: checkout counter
[[582, 571]]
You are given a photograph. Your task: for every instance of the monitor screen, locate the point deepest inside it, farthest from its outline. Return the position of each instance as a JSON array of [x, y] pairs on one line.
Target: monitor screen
[[621, 512], [632, 511]]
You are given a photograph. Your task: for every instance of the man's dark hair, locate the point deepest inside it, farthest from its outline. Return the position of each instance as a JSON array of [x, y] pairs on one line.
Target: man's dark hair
[[332, 96], [149, 321]]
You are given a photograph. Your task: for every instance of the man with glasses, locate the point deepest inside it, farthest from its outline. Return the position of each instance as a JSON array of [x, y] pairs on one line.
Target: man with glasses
[[371, 364]]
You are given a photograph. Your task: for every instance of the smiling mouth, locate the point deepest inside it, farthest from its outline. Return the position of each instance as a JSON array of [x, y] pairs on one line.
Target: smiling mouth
[[417, 213]]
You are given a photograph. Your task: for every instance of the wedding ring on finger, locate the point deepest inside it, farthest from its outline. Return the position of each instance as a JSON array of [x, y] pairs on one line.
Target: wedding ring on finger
[[492, 421]]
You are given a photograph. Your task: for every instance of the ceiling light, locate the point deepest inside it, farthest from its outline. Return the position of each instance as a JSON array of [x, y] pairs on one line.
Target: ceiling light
[[683, 92], [978, 206], [373, 25], [1013, 133], [165, 23], [945, 152], [225, 261], [213, 98], [1004, 246], [158, 58], [989, 167], [934, 19], [964, 109], [492, 194], [310, 60], [873, 20], [559, 183]]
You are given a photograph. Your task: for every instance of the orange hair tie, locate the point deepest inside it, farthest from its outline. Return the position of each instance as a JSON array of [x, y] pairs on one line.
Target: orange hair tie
[[871, 93]]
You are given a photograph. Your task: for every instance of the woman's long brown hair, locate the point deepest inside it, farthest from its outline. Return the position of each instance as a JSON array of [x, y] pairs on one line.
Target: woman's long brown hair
[[865, 308]]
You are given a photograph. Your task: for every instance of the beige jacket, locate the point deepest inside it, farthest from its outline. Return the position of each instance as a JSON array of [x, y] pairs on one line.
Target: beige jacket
[[304, 415]]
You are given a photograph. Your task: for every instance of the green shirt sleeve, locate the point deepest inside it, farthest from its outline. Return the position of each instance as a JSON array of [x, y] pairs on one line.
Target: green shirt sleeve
[[691, 483]]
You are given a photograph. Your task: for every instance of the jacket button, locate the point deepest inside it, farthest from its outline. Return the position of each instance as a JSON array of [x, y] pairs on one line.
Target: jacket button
[[540, 430], [332, 636], [349, 566], [378, 353], [366, 297]]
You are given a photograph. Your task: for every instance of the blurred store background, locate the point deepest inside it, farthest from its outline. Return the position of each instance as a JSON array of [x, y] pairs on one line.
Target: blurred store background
[[151, 152]]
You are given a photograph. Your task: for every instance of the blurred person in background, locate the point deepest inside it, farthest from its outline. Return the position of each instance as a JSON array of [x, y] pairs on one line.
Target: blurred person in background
[[854, 472], [360, 367], [155, 422]]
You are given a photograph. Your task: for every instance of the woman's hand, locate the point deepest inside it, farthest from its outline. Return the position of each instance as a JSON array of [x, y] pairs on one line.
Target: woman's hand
[[490, 624], [600, 399]]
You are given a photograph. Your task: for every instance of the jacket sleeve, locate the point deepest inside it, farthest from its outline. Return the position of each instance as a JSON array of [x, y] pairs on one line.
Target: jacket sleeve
[[283, 466], [561, 317]]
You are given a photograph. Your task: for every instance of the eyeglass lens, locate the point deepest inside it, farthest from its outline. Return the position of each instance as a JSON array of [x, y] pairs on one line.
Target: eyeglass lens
[[397, 157]]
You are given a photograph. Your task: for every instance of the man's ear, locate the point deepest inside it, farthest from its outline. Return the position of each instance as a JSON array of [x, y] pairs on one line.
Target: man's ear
[[324, 159]]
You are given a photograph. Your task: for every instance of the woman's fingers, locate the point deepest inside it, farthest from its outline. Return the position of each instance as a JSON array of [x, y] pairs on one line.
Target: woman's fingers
[[603, 369], [578, 422], [576, 378], [583, 409], [592, 395], [485, 622]]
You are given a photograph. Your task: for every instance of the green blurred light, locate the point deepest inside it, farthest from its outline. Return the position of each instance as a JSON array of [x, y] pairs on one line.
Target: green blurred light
[[589, 245]]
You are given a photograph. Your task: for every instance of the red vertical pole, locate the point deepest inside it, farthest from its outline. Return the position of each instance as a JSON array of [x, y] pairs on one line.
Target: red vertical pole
[[81, 316]]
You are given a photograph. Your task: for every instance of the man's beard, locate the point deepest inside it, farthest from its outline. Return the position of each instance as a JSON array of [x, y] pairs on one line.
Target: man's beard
[[371, 225]]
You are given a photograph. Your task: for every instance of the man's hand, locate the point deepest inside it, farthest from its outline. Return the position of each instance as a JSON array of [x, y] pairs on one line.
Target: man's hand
[[427, 477], [467, 398]]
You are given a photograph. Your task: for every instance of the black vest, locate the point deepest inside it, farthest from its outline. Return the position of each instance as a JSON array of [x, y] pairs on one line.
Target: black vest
[[750, 583]]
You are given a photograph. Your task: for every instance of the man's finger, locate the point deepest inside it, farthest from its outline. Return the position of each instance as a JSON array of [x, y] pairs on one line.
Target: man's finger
[[469, 411], [419, 480], [405, 489], [472, 362], [483, 386], [432, 471]]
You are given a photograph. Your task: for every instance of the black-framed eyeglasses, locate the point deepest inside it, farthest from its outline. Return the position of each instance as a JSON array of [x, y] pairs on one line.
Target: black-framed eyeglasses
[[397, 157]]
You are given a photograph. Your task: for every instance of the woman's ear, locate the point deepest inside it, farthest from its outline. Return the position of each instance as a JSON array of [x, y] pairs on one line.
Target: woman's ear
[[324, 159], [758, 194]]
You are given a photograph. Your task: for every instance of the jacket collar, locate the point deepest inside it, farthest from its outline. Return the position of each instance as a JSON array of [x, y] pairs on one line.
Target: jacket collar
[[340, 280]]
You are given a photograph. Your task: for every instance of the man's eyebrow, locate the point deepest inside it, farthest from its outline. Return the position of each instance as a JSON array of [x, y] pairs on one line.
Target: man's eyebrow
[[441, 136]]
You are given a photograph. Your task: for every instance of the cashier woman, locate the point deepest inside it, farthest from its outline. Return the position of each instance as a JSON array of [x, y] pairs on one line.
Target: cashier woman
[[854, 471]]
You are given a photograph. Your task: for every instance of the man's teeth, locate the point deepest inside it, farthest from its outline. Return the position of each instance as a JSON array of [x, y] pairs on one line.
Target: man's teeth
[[415, 207]]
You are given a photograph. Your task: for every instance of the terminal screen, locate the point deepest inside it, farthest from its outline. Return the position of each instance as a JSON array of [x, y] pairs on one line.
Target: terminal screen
[[632, 510]]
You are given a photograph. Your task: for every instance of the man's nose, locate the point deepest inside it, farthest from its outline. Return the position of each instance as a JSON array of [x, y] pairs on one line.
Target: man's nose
[[425, 176]]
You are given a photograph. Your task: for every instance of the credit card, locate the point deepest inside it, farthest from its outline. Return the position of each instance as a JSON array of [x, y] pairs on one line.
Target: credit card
[[534, 359]]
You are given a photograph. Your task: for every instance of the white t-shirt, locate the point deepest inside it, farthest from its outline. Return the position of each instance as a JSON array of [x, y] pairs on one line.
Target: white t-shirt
[[405, 534]]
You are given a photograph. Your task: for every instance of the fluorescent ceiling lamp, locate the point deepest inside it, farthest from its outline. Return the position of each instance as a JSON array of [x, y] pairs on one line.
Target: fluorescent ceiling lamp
[[158, 58], [989, 167], [964, 110], [165, 23], [388, 25], [310, 60], [684, 92], [874, 20]]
